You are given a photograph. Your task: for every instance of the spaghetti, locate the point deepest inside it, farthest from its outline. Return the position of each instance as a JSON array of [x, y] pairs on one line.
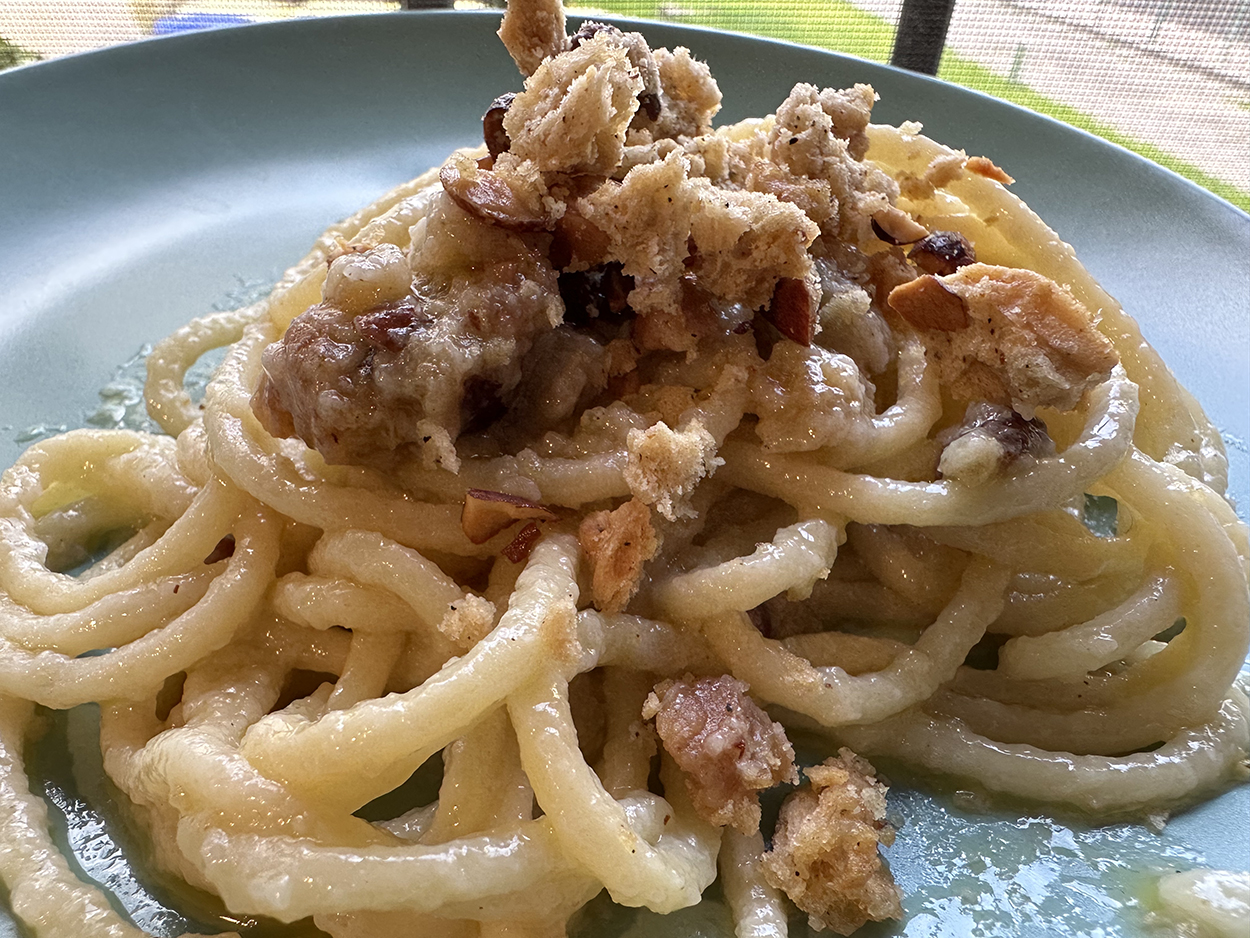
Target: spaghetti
[[740, 456]]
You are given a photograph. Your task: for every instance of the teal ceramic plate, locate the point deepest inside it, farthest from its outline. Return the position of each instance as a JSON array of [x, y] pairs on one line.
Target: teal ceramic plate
[[146, 184]]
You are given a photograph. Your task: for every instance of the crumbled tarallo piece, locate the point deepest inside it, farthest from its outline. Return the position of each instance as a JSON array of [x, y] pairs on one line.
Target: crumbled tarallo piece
[[1007, 335], [617, 543], [728, 748], [746, 242], [575, 108], [819, 135], [824, 849], [941, 171], [607, 230], [468, 620], [743, 243], [689, 95], [532, 32], [983, 166], [665, 465]]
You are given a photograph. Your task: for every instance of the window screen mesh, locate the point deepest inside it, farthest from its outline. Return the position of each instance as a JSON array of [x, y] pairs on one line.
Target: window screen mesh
[[1169, 79]]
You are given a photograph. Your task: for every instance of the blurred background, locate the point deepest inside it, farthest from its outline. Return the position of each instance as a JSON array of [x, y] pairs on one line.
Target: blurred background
[[1169, 79]]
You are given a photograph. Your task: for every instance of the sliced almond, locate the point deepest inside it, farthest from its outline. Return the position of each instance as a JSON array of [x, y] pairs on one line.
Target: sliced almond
[[894, 226], [486, 194], [793, 310], [926, 304], [492, 125], [577, 241], [486, 513]]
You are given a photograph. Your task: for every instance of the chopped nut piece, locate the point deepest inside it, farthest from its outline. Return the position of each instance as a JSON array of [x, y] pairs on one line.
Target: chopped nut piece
[[617, 544], [492, 125], [486, 513], [519, 548], [894, 226], [728, 747], [793, 310], [1029, 342], [491, 196], [942, 253], [824, 853], [983, 166], [927, 304], [990, 438]]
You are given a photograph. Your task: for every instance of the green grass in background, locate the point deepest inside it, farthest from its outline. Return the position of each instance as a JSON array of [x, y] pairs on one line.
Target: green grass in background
[[12, 54], [955, 68], [837, 25], [831, 24]]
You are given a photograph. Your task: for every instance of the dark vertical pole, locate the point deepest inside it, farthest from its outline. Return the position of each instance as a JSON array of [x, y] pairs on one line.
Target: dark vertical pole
[[922, 26]]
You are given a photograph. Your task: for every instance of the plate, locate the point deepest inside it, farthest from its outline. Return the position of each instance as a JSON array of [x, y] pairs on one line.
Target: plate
[[145, 184]]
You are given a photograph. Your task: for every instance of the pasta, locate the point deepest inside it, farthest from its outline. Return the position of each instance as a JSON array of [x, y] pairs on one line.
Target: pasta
[[564, 461]]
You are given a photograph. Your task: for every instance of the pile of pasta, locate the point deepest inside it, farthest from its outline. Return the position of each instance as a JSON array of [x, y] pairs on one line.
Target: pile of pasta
[[284, 641]]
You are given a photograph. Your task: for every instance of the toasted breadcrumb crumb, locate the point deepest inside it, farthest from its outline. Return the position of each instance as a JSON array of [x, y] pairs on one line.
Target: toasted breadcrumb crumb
[[468, 620], [1027, 341], [532, 32], [824, 850], [617, 544], [575, 108], [665, 465], [983, 166]]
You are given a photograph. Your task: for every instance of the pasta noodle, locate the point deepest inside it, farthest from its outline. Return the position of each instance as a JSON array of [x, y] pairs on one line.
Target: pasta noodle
[[741, 455]]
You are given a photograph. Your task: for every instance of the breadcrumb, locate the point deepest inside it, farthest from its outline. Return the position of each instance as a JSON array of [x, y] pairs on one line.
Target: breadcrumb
[[665, 465], [824, 851], [533, 31], [575, 108], [1026, 341], [617, 544]]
